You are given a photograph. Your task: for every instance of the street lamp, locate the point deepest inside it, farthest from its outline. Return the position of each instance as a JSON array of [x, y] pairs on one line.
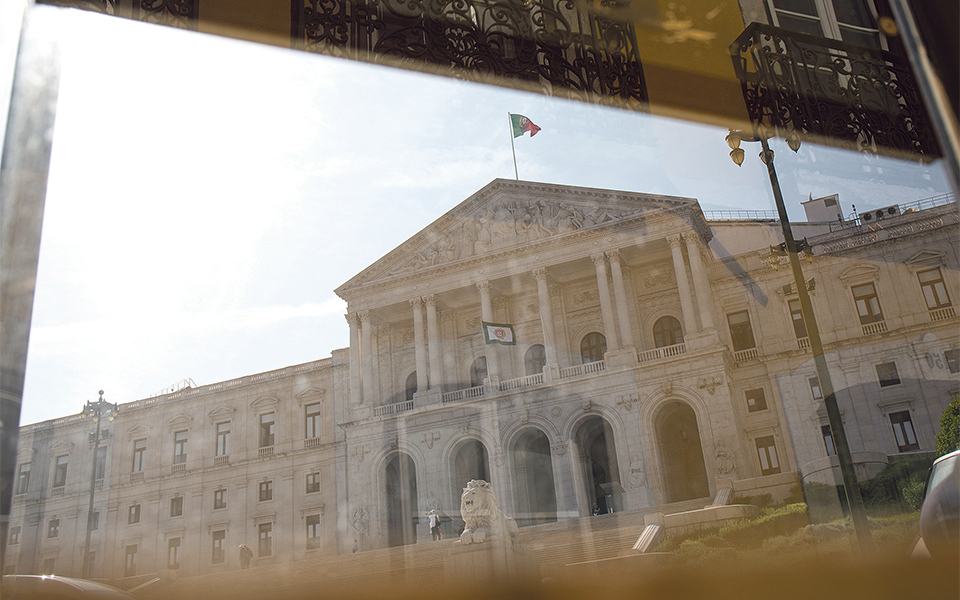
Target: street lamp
[[850, 486], [94, 410]]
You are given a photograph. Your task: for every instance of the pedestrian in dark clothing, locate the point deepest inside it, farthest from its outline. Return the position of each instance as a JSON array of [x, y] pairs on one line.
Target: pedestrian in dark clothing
[[245, 555]]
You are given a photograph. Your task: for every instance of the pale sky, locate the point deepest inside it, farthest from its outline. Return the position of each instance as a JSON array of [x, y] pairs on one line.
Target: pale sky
[[206, 196]]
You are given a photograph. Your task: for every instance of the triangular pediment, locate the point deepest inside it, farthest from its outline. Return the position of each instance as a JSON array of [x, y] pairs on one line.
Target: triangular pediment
[[926, 258], [508, 214], [138, 429], [61, 447], [220, 414], [309, 395]]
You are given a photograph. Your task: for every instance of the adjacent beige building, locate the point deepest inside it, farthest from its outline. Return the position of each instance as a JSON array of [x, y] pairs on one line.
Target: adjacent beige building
[[648, 354]]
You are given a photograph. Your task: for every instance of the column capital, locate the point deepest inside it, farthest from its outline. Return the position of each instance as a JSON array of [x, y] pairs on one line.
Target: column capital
[[484, 287], [430, 300], [614, 255], [598, 258], [364, 316], [540, 273], [693, 241], [674, 240], [416, 302], [352, 319]]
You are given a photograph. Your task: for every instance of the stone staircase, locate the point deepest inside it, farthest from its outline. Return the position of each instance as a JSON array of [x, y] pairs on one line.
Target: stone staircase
[[420, 565]]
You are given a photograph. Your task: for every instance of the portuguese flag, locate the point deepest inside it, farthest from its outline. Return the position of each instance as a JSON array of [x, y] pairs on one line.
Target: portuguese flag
[[521, 125]]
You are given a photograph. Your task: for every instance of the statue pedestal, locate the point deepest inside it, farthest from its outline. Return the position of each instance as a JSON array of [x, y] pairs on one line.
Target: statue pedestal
[[489, 562]]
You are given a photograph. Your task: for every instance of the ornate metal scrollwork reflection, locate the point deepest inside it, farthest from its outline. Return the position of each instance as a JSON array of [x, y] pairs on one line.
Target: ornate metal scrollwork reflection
[[553, 42], [181, 14], [863, 97]]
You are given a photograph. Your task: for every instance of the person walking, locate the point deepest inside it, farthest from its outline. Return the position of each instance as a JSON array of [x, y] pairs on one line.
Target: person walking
[[245, 555], [434, 519]]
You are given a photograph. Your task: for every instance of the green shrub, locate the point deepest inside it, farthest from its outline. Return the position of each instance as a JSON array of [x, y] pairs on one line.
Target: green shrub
[[778, 521], [948, 438], [760, 501]]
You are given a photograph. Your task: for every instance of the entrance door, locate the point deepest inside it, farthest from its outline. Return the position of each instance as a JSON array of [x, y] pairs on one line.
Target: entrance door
[[681, 455], [536, 495], [598, 457], [401, 487]]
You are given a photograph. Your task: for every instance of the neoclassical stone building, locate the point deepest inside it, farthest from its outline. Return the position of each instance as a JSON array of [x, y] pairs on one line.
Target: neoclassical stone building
[[649, 356]]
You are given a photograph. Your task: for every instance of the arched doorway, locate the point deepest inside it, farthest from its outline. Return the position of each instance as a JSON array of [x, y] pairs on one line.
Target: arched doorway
[[598, 463], [681, 455], [478, 371], [667, 332], [536, 495], [592, 347], [401, 501], [534, 360], [470, 462]]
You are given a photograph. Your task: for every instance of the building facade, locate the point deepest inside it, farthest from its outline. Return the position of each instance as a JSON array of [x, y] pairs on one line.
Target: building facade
[[581, 349]]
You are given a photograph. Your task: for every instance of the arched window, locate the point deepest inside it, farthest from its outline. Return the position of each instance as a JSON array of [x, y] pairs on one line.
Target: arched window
[[592, 347], [667, 332], [478, 371], [411, 388], [535, 359]]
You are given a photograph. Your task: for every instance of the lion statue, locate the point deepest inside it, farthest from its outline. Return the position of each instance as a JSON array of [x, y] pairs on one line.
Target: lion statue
[[483, 519]]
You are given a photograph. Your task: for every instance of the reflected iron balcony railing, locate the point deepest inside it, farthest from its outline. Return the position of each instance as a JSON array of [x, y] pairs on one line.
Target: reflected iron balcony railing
[[864, 98]]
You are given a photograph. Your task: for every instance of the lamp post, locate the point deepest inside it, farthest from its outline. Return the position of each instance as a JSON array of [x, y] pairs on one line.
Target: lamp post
[[850, 486], [94, 410]]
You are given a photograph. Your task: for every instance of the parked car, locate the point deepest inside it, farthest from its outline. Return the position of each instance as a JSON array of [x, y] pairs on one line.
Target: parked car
[[940, 510], [52, 587]]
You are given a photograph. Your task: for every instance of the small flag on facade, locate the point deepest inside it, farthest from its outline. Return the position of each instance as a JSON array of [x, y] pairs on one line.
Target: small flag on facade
[[521, 125], [497, 333]]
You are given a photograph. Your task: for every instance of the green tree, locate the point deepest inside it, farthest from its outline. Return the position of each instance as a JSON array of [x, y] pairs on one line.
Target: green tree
[[948, 439]]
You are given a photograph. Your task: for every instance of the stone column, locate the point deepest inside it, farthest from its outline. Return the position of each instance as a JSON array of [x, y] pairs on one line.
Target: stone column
[[546, 322], [701, 286], [683, 286], [606, 307], [620, 294], [486, 313], [355, 364], [433, 339], [366, 347], [419, 344]]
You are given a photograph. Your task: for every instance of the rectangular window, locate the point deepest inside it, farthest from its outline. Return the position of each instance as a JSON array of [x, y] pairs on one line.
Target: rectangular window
[[101, 469], [953, 360], [313, 531], [60, 472], [756, 401], [15, 535], [267, 429], [887, 374], [266, 491], [49, 566], [903, 431], [852, 21], [741, 333], [53, 528], [265, 531], [828, 440], [179, 447], [815, 389], [313, 482], [868, 305], [130, 561], [173, 553], [139, 453], [219, 546], [313, 420], [219, 499], [133, 514], [767, 451], [176, 506], [934, 291], [223, 439], [796, 315], [95, 520], [23, 478]]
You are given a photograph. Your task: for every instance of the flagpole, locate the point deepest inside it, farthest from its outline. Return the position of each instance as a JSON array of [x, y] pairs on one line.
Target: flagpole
[[510, 131]]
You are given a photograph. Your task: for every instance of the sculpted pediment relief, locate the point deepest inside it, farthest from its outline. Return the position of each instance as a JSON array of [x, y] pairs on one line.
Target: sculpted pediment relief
[[264, 403], [309, 395], [507, 214], [61, 447], [138, 429]]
